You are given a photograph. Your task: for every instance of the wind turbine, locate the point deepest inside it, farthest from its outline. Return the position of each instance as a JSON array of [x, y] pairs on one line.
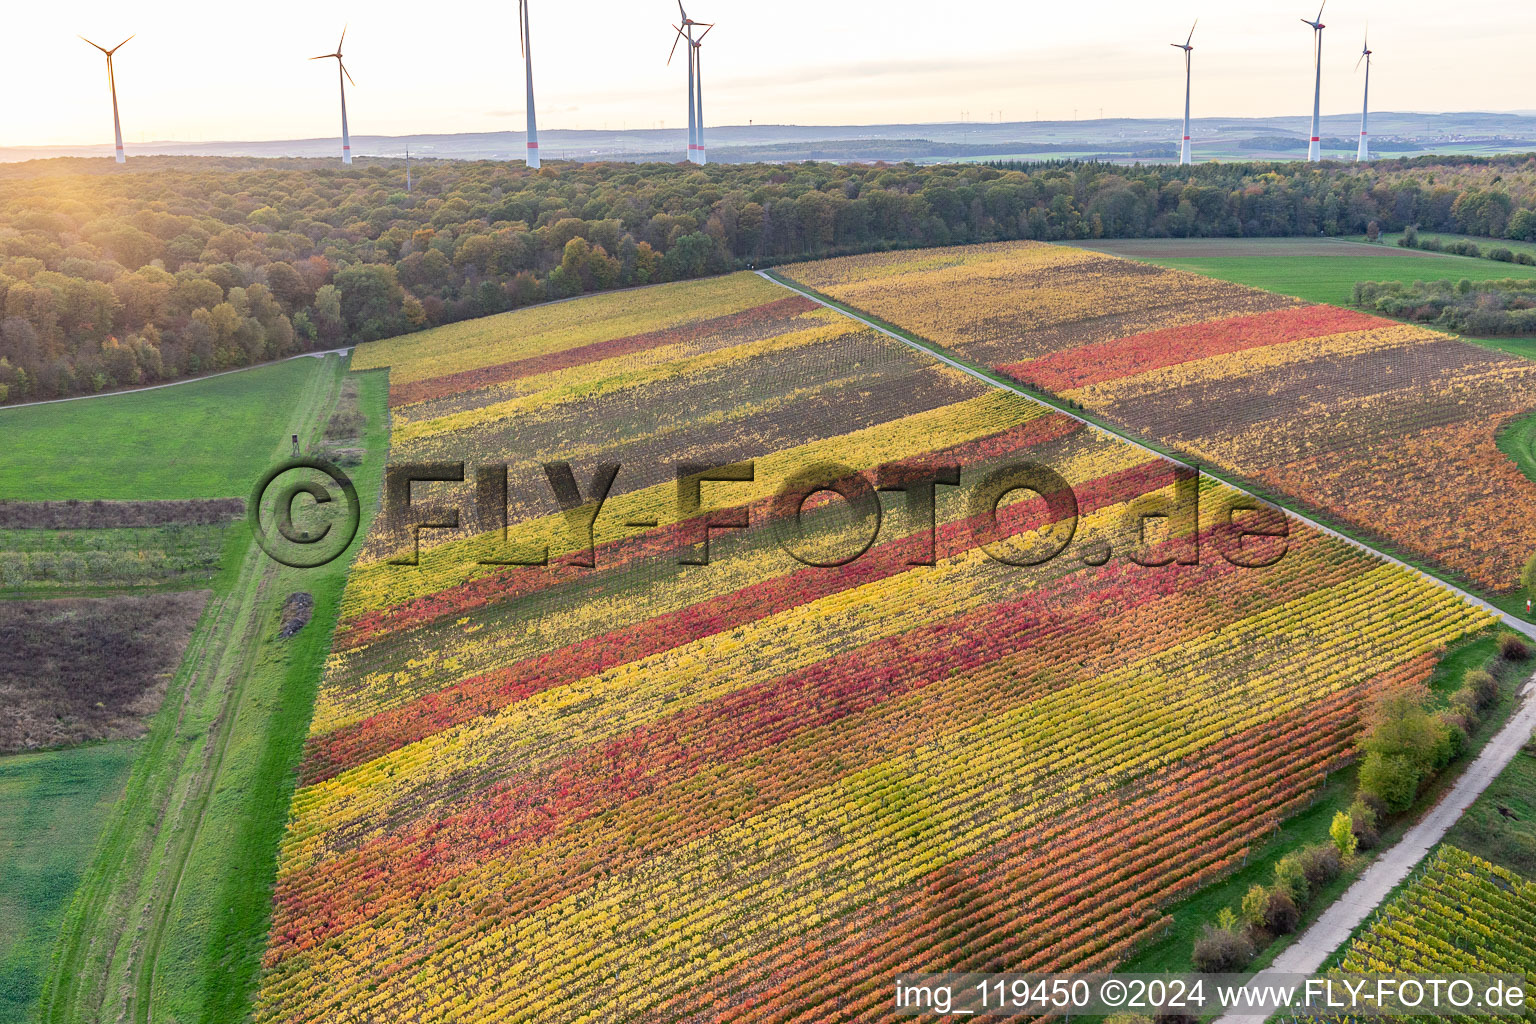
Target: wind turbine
[[533, 126], [346, 139], [698, 81], [1184, 154], [685, 31], [117, 126], [1364, 153], [1315, 149]]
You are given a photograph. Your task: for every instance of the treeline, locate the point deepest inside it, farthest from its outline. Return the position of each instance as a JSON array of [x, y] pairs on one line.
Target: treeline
[[1503, 307], [176, 266]]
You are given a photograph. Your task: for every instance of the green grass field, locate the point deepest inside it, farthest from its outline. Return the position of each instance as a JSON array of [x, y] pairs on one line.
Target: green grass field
[[51, 807], [204, 439], [1501, 825], [1317, 271]]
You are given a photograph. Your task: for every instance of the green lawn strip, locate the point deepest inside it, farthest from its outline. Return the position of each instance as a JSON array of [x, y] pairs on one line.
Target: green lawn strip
[[1517, 439], [204, 439], [210, 953], [1331, 279], [98, 961], [1500, 826], [1512, 604], [52, 806]]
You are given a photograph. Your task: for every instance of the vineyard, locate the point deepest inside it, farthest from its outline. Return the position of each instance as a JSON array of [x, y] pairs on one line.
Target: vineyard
[[1462, 915], [633, 784], [1387, 427]]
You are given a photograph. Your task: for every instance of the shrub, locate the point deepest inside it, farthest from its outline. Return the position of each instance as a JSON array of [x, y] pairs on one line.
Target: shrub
[[1461, 719], [1256, 906], [1127, 1018], [1222, 951], [1363, 816], [1501, 254], [1291, 878], [1391, 778], [1410, 239], [1176, 1017], [1512, 647], [1342, 831], [1483, 687], [1322, 863], [1282, 916]]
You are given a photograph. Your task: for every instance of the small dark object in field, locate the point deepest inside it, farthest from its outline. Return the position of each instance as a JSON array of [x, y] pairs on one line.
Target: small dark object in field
[[298, 609], [1508, 813]]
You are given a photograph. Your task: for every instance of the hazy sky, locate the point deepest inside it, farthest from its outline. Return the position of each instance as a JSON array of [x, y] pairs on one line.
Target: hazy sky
[[239, 71]]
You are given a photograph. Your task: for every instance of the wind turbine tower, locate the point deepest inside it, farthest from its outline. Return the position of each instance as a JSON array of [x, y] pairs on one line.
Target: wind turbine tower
[[1315, 149], [695, 92], [1185, 157], [346, 138], [117, 125], [527, 45], [1364, 153], [698, 93]]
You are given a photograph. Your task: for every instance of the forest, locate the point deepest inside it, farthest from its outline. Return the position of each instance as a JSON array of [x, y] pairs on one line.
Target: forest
[[112, 277]]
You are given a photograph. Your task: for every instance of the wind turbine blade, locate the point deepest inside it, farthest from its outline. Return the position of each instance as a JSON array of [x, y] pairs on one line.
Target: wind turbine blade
[[699, 40], [347, 73], [675, 40], [343, 38], [1320, 10], [1192, 32], [1359, 62], [323, 56], [522, 27], [119, 46], [98, 46], [682, 13]]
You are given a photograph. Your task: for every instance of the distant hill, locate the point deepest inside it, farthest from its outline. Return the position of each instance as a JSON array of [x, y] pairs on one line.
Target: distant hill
[[1127, 139]]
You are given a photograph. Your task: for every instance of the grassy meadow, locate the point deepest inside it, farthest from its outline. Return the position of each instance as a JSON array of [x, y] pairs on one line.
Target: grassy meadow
[[1317, 270], [52, 805], [203, 439]]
